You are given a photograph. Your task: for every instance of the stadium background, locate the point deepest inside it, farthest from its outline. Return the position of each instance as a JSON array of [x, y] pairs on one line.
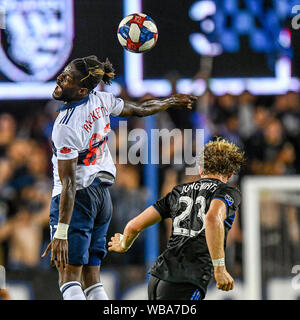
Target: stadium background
[[249, 94]]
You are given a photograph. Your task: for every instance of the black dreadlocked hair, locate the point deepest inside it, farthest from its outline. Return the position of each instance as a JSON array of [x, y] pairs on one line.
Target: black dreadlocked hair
[[92, 71]]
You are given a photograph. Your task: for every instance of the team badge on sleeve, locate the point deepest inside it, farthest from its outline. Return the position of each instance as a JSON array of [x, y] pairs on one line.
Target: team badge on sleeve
[[229, 200]]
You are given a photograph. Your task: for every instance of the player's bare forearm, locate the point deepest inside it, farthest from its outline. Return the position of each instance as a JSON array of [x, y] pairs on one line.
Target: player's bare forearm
[[144, 109], [59, 243], [215, 235], [122, 242], [214, 232], [67, 173], [153, 106], [67, 199]]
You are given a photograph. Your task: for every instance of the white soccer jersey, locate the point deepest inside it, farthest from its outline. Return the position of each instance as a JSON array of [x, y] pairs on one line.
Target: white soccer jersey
[[80, 130]]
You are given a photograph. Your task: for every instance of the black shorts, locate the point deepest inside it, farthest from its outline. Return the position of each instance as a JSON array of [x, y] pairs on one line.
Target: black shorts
[[164, 290]]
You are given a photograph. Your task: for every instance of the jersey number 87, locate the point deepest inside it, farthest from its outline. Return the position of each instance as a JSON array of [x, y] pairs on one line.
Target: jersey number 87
[[96, 147]]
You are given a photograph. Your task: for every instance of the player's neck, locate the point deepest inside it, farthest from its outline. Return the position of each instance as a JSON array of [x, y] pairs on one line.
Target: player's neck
[[77, 99], [215, 176]]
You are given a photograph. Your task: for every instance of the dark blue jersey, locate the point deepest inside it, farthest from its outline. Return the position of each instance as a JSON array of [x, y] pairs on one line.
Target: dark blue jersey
[[186, 258]]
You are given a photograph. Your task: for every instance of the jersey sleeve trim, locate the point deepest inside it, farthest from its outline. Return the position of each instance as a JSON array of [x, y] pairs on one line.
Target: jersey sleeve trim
[[67, 154], [229, 221], [163, 215], [156, 208]]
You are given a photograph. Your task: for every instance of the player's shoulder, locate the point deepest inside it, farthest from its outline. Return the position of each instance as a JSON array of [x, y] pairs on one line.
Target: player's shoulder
[[101, 94], [177, 189], [61, 130], [71, 121], [230, 193], [185, 187], [229, 188], [107, 97]]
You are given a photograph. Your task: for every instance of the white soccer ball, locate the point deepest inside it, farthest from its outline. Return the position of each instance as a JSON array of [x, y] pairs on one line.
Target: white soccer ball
[[137, 33]]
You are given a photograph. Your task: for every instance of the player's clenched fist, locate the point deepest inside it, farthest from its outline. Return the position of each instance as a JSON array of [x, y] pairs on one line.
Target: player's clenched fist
[[182, 100], [116, 244], [224, 280]]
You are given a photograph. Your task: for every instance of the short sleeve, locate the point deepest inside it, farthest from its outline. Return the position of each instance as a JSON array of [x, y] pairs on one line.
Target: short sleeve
[[163, 206], [232, 199], [168, 204], [117, 105], [114, 105], [66, 142]]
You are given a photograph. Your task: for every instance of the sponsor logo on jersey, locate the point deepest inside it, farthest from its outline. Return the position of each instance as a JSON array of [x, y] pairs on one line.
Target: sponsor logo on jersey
[[65, 150], [38, 39]]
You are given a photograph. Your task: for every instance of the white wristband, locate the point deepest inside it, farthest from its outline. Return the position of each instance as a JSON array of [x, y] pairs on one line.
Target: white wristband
[[122, 242], [61, 231], [218, 262]]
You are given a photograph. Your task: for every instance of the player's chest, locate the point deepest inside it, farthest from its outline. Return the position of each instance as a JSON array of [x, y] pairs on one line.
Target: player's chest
[[87, 120], [95, 119]]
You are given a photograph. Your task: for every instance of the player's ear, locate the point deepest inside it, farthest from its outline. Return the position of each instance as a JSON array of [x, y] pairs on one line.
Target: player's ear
[[83, 91], [200, 170], [230, 175]]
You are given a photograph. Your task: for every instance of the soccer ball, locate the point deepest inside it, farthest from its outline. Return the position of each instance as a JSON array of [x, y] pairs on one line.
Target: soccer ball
[[137, 33]]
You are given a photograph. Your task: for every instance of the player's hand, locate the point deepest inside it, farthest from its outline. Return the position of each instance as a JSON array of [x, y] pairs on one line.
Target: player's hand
[[115, 244], [4, 294], [224, 280], [182, 100], [59, 251]]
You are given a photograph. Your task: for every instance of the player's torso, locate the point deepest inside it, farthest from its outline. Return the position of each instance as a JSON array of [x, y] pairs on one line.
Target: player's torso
[[186, 258], [88, 119], [189, 210], [90, 123]]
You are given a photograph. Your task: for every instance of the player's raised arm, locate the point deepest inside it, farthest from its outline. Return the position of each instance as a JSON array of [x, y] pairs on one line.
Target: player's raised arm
[[150, 107], [122, 242], [215, 235]]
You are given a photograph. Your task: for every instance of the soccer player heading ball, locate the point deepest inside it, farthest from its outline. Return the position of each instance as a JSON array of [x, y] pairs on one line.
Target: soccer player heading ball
[[83, 169], [202, 213]]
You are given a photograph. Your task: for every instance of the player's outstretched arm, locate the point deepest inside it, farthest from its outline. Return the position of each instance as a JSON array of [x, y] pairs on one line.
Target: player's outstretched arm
[[214, 232], [122, 242], [150, 107]]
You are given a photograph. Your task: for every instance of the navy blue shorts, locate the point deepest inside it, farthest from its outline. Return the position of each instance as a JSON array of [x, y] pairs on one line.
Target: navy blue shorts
[[89, 223]]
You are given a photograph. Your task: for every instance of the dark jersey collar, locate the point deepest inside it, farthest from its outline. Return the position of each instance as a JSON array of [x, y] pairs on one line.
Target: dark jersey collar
[[72, 105]]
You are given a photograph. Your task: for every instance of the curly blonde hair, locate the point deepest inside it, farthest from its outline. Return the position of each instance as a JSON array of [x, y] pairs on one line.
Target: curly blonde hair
[[221, 157]]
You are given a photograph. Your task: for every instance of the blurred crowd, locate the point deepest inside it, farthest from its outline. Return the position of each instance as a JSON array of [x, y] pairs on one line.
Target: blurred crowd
[[267, 128]]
